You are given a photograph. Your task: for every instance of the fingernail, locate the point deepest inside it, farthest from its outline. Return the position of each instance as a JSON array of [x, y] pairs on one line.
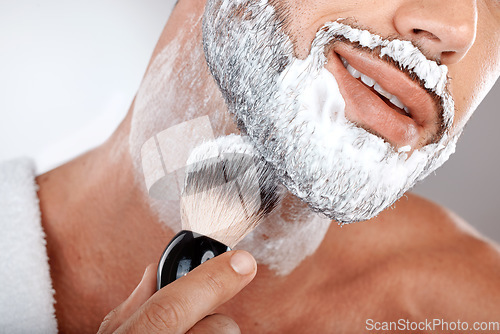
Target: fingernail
[[243, 263]]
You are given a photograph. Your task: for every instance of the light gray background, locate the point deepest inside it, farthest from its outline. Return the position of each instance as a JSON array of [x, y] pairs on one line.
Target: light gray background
[[69, 70]]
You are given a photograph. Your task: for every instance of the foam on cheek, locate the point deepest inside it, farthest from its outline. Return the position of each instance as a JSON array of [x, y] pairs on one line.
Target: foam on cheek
[[167, 98], [173, 91]]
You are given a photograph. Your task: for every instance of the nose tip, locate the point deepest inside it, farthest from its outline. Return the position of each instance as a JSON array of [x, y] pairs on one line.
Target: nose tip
[[445, 29]]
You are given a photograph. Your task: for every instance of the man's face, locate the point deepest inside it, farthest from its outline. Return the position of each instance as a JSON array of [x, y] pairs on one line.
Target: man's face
[[351, 102]]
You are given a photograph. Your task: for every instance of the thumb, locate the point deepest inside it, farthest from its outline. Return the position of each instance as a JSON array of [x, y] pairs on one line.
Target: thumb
[[145, 289], [181, 304]]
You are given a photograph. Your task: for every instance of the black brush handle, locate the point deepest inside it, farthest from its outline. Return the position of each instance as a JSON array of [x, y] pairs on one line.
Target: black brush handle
[[186, 251]]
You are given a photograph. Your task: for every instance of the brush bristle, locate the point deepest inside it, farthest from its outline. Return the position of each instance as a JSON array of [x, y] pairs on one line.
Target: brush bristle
[[227, 195]]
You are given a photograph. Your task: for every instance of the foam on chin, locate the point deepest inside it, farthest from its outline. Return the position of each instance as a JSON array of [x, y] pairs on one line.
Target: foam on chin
[[341, 170]]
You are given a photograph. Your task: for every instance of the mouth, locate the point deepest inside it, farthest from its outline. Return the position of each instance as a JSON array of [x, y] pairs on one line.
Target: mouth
[[382, 99], [391, 100]]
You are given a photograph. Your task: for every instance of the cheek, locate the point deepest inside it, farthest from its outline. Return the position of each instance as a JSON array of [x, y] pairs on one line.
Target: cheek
[[300, 25], [473, 77], [303, 18]]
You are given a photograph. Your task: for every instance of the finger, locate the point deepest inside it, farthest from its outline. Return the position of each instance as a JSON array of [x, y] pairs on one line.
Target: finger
[[181, 304], [215, 324], [144, 290]]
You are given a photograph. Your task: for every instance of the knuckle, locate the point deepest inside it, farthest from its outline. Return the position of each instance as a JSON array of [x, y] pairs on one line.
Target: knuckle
[[214, 283], [106, 322], [166, 315], [216, 323], [227, 325]]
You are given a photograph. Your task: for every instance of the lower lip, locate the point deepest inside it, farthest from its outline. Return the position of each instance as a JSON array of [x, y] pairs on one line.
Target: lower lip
[[367, 110]]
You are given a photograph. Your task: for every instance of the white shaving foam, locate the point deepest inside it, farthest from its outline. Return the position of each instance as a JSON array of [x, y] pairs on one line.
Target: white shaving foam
[[294, 113]]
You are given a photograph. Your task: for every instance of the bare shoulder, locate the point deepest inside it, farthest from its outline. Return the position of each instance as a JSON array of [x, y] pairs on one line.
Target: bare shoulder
[[454, 272]]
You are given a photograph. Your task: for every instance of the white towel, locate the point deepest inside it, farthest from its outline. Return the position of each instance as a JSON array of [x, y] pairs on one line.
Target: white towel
[[26, 293]]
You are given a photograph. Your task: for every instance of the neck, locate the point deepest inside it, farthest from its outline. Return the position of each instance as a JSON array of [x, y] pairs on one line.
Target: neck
[[97, 226]]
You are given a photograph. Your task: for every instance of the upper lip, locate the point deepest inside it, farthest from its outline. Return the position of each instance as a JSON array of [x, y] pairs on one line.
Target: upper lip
[[419, 127]]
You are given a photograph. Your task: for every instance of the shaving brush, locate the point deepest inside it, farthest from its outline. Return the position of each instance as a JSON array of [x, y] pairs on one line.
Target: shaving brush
[[228, 189]]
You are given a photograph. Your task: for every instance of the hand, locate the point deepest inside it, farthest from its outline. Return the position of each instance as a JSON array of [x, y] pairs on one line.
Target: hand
[[187, 303]]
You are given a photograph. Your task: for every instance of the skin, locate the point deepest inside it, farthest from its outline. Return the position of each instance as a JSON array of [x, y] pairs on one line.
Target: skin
[[415, 261]]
